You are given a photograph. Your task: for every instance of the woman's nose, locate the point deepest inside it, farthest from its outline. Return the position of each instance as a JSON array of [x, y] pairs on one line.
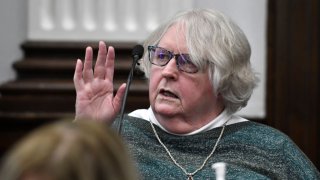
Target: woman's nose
[[170, 70]]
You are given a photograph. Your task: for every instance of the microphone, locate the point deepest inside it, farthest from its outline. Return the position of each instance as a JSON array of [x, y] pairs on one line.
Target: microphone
[[136, 54], [220, 169]]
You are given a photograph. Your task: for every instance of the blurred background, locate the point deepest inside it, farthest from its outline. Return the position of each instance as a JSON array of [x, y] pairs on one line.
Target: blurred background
[[41, 40]]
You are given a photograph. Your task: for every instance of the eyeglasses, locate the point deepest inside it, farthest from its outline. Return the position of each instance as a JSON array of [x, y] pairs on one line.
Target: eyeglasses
[[161, 57]]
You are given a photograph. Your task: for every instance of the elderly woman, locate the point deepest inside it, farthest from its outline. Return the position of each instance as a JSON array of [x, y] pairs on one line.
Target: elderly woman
[[199, 74]]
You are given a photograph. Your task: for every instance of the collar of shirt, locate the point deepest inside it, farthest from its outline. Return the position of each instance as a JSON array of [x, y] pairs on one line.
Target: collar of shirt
[[148, 115]]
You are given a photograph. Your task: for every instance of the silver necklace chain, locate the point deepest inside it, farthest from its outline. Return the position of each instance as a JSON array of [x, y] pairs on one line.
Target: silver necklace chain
[[189, 175]]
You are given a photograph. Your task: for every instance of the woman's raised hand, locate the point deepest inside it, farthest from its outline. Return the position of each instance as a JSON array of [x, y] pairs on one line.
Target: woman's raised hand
[[94, 87]]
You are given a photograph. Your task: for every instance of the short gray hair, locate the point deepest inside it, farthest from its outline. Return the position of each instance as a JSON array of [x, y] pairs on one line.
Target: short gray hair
[[216, 42]]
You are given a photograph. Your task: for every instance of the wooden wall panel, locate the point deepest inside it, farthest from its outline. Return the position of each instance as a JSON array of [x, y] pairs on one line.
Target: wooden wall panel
[[293, 72]]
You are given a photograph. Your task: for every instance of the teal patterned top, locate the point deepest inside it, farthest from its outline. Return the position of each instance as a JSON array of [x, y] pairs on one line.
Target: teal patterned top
[[249, 149]]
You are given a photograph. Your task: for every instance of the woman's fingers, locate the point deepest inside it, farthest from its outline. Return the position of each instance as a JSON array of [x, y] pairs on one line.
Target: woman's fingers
[[104, 67], [99, 71], [117, 100], [87, 69], [109, 64], [77, 78]]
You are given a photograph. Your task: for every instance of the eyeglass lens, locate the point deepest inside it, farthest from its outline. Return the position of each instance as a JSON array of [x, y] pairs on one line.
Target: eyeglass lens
[[160, 56]]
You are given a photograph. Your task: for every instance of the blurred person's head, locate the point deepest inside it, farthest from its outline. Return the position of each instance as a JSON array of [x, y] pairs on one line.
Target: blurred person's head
[[64, 150]]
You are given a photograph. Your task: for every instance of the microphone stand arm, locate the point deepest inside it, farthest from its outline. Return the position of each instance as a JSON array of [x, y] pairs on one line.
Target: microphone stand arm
[[134, 62]]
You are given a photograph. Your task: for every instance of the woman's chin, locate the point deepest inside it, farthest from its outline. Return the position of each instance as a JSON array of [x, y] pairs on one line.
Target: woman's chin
[[166, 110], [171, 120]]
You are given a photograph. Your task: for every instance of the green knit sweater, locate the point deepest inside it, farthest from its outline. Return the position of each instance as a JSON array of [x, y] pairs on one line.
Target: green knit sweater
[[250, 150]]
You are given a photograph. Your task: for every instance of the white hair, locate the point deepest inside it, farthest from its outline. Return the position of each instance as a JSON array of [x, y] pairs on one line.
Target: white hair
[[216, 42]]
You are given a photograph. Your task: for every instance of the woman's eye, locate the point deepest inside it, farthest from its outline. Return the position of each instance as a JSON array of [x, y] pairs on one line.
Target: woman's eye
[[162, 56]]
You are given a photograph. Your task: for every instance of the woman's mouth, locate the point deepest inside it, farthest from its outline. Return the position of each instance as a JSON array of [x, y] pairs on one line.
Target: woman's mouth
[[167, 93]]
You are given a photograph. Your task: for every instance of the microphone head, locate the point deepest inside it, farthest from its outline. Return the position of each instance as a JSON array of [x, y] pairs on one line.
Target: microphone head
[[137, 51]]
